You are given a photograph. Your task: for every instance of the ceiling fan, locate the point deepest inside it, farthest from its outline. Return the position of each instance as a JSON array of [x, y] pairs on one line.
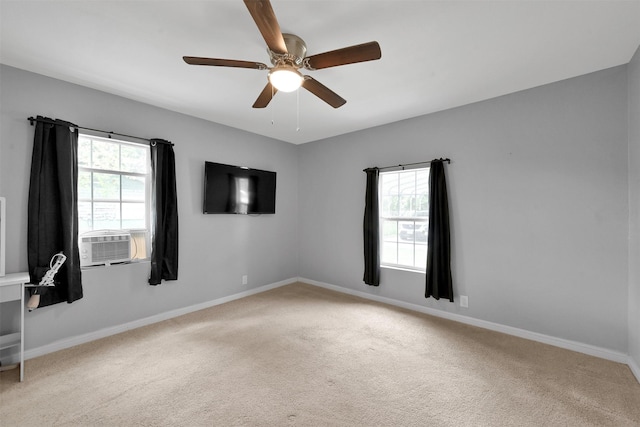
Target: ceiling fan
[[287, 53]]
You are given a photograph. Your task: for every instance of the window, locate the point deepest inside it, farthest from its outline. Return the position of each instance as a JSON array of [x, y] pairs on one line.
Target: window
[[404, 218], [114, 189]]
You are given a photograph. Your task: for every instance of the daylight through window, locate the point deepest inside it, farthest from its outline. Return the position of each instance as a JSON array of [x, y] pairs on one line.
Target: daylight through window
[[113, 189], [404, 218]]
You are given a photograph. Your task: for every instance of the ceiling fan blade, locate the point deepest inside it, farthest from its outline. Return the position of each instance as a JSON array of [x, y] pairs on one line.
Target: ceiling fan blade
[[265, 18], [265, 96], [348, 55], [323, 92], [195, 60]]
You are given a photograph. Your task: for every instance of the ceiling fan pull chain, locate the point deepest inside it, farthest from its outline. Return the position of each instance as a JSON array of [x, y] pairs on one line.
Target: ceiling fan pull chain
[[272, 107], [298, 110]]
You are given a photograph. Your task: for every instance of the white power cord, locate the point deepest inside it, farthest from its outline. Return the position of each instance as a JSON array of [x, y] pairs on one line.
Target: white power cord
[[47, 280]]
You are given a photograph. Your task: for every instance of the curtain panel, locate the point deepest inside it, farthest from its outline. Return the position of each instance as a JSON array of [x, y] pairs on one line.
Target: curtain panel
[[164, 246], [371, 229], [438, 275], [52, 218]]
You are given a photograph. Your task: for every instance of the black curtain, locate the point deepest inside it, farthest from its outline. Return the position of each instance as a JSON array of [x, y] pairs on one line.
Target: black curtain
[[371, 228], [164, 245], [438, 280], [52, 223]]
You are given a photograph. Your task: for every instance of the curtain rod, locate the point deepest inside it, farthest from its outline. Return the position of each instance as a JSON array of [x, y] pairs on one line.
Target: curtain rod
[[411, 164], [109, 133]]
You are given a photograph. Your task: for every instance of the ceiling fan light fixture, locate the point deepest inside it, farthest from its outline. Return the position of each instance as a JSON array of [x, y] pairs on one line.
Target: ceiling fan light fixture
[[285, 78]]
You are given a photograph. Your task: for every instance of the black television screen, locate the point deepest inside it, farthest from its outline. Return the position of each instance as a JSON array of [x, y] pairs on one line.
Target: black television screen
[[238, 190]]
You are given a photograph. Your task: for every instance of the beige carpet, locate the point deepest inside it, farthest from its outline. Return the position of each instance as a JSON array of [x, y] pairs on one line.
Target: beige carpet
[[302, 355]]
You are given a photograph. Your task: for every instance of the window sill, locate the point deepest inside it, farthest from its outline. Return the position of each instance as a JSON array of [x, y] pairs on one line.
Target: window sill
[[117, 264], [408, 269]]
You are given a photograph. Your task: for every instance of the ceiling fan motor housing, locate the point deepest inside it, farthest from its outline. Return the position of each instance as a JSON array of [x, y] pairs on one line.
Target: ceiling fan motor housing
[[296, 51]]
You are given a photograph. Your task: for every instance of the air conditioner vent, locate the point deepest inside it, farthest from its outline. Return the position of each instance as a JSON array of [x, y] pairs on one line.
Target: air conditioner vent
[[104, 247]]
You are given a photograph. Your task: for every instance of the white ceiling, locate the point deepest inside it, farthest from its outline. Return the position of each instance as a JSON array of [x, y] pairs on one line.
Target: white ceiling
[[435, 54]]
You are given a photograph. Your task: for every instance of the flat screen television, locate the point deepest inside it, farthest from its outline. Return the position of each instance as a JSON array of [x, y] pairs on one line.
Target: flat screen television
[[238, 190]]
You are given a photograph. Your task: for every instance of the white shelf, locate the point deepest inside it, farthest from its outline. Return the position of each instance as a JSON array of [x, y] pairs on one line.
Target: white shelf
[[12, 289], [10, 340]]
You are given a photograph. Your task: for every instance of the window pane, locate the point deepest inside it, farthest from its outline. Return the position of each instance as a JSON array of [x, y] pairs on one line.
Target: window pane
[[134, 158], [422, 205], [84, 185], [385, 205], [406, 231], [407, 182], [405, 254], [389, 183], [421, 231], [85, 222], [407, 203], [84, 152], [389, 194], [106, 155], [106, 216], [422, 193], [133, 215], [389, 230], [389, 206], [421, 255], [106, 186], [133, 188], [389, 253]]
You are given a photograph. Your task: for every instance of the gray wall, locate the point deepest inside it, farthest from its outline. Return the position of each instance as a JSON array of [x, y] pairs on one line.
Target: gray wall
[[634, 210], [215, 250], [538, 191], [538, 194]]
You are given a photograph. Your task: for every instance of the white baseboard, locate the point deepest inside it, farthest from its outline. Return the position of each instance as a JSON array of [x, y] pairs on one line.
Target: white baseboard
[[106, 332], [634, 368], [591, 350], [522, 333]]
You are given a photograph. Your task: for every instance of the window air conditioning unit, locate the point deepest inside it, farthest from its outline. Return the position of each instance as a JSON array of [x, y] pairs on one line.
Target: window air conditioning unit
[[104, 247]]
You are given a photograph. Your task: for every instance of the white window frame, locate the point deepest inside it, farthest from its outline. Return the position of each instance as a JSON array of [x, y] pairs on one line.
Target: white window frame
[[415, 219], [138, 235]]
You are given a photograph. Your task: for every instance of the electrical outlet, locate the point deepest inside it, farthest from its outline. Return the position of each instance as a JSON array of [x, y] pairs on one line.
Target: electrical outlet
[[245, 279], [464, 301]]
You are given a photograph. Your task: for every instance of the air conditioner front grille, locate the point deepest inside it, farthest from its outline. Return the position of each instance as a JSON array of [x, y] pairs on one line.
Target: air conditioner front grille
[[105, 249]]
